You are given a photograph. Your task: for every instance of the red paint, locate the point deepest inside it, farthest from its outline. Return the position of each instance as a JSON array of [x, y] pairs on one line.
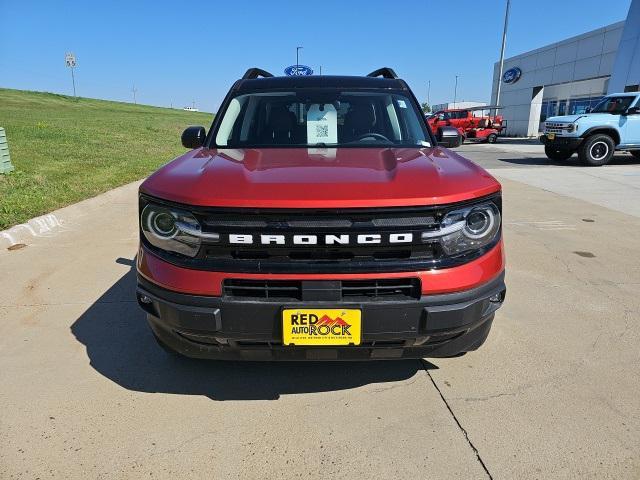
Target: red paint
[[320, 178], [201, 282]]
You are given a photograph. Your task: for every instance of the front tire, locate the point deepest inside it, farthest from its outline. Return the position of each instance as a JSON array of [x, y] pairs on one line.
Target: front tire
[[557, 154], [596, 150], [492, 138]]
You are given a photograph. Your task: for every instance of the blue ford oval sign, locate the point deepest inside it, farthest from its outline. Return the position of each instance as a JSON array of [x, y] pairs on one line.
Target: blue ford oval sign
[[298, 70], [512, 75]]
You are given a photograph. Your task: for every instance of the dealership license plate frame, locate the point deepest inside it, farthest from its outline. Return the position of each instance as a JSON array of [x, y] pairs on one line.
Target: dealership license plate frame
[[353, 316]]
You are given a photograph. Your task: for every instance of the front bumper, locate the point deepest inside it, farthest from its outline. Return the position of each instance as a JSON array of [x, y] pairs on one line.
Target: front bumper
[[568, 143], [241, 329]]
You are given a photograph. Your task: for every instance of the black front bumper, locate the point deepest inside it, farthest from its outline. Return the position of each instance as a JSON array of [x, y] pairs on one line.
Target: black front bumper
[[242, 329], [565, 143]]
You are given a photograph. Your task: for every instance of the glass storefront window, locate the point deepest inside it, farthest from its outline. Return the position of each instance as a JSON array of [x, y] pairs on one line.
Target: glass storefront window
[[562, 107], [548, 109], [579, 106]]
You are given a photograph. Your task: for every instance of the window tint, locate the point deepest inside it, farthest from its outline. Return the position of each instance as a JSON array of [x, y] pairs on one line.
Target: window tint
[[321, 117]]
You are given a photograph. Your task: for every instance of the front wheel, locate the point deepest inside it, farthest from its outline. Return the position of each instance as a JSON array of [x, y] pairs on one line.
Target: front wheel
[[596, 150], [557, 154], [492, 138]]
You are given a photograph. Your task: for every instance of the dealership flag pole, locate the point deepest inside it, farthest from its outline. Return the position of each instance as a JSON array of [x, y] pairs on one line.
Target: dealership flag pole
[[504, 42]]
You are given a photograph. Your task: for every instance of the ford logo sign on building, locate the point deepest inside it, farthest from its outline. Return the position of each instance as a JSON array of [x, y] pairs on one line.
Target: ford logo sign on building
[[512, 75], [298, 70]]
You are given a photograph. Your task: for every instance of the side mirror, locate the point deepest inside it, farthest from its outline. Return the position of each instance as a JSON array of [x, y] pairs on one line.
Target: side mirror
[[193, 137], [633, 111], [448, 137]]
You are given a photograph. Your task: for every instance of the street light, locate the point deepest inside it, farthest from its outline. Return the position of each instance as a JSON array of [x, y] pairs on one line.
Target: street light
[[429, 94], [504, 42], [455, 92]]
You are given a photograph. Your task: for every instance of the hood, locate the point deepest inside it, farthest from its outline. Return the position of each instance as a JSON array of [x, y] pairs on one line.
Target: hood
[[565, 118], [319, 178], [599, 118]]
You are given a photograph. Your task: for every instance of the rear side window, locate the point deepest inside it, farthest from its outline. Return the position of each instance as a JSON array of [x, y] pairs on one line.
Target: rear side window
[[324, 117]]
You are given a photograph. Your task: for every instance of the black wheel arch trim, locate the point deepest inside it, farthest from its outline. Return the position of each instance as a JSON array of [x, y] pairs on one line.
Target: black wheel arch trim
[[610, 131]]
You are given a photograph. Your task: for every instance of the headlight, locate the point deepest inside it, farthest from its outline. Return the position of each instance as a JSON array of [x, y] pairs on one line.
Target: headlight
[[571, 127], [466, 229], [172, 230]]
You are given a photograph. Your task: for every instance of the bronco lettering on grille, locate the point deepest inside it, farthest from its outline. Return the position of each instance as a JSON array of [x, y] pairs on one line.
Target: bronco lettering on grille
[[341, 239]]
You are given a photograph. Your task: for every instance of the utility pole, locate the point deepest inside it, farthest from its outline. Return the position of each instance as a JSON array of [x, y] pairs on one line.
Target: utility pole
[[70, 61], [134, 90], [320, 69], [297, 58], [504, 42], [455, 92], [429, 94]]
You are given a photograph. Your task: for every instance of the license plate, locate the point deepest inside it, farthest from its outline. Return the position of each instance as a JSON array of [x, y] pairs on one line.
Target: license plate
[[551, 136], [317, 326]]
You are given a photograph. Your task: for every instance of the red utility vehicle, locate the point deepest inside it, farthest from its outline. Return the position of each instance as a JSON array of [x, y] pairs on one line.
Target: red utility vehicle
[[481, 123], [320, 219]]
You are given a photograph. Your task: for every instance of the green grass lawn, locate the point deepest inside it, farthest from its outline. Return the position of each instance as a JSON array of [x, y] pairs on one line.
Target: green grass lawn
[[65, 150]]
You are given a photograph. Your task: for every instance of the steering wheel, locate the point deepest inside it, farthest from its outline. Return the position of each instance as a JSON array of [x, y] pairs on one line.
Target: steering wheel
[[377, 136]]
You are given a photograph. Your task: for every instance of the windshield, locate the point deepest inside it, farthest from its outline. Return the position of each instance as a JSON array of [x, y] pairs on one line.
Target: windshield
[[615, 105], [322, 117]]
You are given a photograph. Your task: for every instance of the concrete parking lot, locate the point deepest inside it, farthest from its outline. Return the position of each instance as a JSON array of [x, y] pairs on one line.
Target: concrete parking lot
[[554, 393]]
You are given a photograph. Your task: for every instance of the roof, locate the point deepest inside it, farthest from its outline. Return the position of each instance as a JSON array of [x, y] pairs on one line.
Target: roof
[[319, 81]]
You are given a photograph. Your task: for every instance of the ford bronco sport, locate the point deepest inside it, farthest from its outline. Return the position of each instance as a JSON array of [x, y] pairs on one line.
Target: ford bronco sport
[[613, 124], [319, 219]]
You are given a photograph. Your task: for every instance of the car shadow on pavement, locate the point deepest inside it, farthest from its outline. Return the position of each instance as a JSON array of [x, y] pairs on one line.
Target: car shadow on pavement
[[571, 162], [120, 346]]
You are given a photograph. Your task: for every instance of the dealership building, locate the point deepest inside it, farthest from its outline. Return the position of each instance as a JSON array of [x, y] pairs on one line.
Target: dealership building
[[568, 77]]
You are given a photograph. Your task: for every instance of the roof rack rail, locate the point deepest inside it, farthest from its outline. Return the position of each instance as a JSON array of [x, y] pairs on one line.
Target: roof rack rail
[[255, 73], [384, 72]]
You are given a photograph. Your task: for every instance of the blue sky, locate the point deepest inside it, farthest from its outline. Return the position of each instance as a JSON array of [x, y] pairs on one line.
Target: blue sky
[[179, 52]]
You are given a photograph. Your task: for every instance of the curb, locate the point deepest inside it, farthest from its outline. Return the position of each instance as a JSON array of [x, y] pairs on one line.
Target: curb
[[60, 220]]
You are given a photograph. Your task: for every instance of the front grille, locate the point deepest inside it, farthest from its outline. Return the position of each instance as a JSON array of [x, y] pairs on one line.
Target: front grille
[[336, 233], [263, 289], [352, 222], [349, 290], [387, 288], [552, 127]]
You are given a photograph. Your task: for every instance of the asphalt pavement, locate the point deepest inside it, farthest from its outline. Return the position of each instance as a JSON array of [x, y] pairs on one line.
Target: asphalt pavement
[[554, 393]]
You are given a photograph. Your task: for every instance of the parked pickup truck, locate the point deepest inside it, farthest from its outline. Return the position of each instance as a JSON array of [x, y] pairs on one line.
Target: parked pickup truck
[[320, 219], [613, 124]]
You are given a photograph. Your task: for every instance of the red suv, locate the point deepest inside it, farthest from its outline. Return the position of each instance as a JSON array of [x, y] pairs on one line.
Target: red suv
[[319, 219]]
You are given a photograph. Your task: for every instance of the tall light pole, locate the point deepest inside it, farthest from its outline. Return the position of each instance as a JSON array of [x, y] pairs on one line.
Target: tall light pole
[[134, 90], [455, 92], [504, 42], [429, 93], [297, 57], [70, 61]]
